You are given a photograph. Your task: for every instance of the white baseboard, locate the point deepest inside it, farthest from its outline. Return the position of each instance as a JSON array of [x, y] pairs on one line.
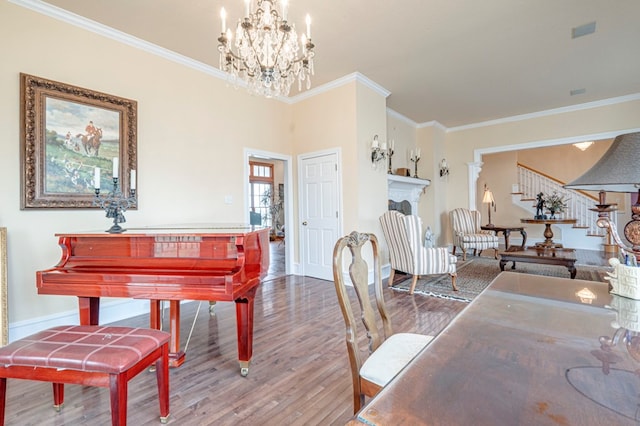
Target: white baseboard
[[109, 312]]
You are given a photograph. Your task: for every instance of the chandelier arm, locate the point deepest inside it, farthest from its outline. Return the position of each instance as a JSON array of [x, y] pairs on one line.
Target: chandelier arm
[[237, 58]]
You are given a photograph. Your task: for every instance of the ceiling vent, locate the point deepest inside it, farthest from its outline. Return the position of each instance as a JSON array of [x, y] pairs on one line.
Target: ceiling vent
[[583, 30]]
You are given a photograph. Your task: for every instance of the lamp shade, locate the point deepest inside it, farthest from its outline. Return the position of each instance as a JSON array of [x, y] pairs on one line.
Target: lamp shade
[[488, 197], [617, 171]]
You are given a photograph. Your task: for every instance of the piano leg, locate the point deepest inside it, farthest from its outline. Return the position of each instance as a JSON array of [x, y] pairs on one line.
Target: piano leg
[[244, 319], [89, 308], [176, 356]]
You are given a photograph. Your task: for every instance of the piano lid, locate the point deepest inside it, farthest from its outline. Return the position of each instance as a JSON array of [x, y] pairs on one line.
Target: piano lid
[[178, 229]]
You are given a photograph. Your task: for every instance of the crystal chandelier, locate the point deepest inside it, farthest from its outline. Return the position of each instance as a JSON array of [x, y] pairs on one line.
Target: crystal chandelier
[[265, 52]]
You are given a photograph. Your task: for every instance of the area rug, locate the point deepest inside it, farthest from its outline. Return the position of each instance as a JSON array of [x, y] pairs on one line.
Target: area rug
[[476, 274]]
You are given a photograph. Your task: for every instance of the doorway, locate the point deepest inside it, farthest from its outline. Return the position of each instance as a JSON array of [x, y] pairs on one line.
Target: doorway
[[260, 202]]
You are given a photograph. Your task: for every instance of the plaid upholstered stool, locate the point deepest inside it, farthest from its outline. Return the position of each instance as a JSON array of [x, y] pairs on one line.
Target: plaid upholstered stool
[[89, 355]]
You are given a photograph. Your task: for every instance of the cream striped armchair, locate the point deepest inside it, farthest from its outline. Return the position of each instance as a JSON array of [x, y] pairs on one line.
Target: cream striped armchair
[[467, 234], [407, 252]]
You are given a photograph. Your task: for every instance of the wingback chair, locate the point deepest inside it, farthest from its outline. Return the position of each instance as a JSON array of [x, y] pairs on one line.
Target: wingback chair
[[387, 352], [467, 234], [407, 252]]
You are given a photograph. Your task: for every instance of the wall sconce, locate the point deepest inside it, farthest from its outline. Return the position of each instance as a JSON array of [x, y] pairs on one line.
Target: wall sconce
[[444, 168], [378, 151]]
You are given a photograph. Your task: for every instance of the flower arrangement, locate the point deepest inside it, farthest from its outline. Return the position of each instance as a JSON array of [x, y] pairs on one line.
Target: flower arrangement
[[555, 203]]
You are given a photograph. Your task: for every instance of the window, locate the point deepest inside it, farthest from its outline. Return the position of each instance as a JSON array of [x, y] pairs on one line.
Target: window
[[261, 187]]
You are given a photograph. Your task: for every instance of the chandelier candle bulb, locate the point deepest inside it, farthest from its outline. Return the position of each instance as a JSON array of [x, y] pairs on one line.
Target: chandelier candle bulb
[[247, 7], [308, 21], [284, 9], [115, 167], [96, 178], [223, 16]]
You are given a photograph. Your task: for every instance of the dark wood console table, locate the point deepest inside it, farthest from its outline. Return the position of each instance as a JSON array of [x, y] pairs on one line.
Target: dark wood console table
[[506, 230], [529, 350], [548, 233]]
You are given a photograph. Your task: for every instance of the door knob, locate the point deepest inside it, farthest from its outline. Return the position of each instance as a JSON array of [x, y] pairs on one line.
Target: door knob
[[304, 223]]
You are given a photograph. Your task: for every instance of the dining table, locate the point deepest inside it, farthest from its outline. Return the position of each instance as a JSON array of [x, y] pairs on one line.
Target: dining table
[[528, 350]]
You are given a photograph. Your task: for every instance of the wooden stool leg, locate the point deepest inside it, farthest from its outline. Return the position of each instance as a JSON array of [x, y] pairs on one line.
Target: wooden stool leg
[[118, 392], [58, 396], [3, 397], [162, 376]]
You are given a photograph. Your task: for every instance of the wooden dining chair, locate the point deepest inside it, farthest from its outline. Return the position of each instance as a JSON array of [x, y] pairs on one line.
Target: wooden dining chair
[[387, 353]]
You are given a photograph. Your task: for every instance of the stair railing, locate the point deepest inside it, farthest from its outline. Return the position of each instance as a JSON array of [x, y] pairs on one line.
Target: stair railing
[[579, 204]]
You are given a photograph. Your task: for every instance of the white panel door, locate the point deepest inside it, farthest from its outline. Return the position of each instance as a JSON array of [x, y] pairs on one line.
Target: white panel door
[[319, 215]]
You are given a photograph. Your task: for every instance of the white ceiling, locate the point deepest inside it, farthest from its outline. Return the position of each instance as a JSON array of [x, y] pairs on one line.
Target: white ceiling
[[457, 62]]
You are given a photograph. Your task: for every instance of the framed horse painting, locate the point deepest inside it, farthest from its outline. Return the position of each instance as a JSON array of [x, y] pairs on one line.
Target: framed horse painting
[[73, 140]]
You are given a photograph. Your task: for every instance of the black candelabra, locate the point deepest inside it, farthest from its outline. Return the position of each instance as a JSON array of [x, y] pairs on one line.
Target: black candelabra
[[390, 156], [115, 204], [414, 159]]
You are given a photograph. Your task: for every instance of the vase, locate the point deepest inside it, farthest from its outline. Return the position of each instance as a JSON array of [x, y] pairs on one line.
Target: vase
[[553, 213]]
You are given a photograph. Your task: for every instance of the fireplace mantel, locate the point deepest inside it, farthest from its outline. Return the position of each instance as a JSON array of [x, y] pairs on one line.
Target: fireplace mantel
[[401, 188]]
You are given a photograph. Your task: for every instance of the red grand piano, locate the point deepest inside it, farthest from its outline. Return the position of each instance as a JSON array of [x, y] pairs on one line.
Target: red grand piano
[[183, 262]]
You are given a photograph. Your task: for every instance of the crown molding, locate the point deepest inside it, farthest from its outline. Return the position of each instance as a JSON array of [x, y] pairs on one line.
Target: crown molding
[[554, 111], [400, 117], [433, 123], [119, 36], [57, 13], [349, 78]]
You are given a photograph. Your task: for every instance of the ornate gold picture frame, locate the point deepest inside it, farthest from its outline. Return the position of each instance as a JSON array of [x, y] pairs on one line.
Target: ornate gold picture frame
[[67, 133]]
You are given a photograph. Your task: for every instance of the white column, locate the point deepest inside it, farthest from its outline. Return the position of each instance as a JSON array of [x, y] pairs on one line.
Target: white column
[[474, 169]]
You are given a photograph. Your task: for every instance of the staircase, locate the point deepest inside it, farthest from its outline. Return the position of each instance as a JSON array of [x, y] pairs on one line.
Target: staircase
[[579, 205]]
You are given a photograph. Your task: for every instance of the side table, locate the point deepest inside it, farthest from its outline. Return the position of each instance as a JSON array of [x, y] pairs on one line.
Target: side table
[[548, 233], [506, 230]]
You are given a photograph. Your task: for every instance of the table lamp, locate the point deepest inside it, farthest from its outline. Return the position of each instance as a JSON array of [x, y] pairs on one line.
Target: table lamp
[[616, 171], [488, 199]]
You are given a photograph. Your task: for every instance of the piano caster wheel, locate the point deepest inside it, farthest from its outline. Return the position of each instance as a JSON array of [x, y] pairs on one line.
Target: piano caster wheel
[[244, 371], [212, 307]]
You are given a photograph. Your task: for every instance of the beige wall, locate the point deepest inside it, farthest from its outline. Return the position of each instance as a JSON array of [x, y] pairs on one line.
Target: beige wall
[[371, 184], [462, 144], [191, 134], [573, 161], [404, 134], [432, 142], [327, 122], [562, 162]]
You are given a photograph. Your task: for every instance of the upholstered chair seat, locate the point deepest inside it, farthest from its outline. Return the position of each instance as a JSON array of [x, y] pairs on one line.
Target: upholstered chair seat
[[391, 357]]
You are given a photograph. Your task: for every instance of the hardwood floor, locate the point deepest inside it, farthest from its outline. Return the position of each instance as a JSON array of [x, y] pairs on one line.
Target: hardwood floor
[[299, 374]]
